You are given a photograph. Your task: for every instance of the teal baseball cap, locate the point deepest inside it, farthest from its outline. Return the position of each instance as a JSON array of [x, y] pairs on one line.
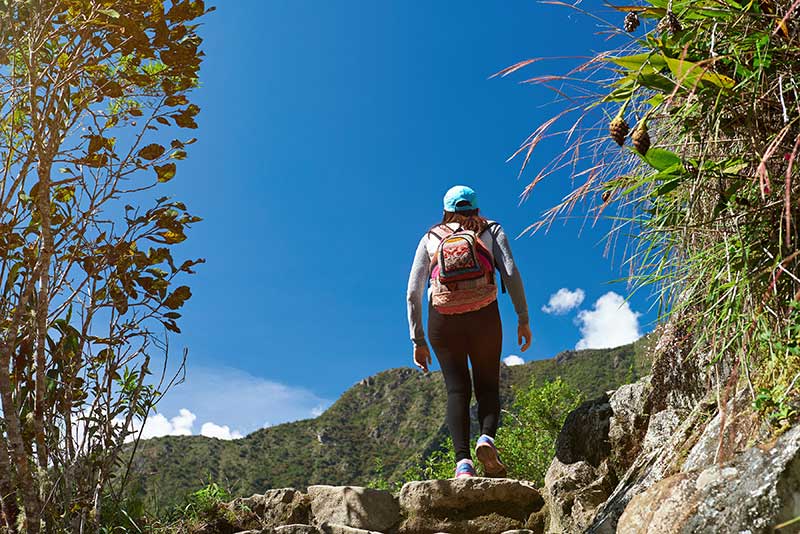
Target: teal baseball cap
[[460, 198]]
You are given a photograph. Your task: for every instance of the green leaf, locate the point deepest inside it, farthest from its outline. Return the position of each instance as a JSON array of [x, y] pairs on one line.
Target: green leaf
[[638, 61], [64, 193], [657, 81], [110, 12], [662, 159], [165, 172], [691, 74], [669, 186]]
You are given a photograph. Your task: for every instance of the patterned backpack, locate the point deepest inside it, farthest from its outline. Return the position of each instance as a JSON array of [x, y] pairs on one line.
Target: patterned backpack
[[462, 272]]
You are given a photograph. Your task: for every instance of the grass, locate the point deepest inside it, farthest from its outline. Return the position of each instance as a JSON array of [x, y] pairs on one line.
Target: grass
[[702, 190]]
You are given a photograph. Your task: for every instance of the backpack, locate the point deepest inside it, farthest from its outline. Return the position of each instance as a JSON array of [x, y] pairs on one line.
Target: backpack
[[462, 272]]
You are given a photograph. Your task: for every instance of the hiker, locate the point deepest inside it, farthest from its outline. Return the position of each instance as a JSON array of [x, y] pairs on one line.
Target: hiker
[[457, 258]]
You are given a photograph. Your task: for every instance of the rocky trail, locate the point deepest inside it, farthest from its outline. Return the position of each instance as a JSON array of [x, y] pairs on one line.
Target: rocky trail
[[663, 455]]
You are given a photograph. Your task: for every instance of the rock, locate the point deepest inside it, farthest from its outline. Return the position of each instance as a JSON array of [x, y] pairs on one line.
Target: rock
[[628, 423], [659, 429], [343, 529], [584, 436], [573, 492], [273, 508], [468, 506], [678, 380], [738, 430], [352, 506], [756, 491], [648, 468], [297, 529], [659, 508]]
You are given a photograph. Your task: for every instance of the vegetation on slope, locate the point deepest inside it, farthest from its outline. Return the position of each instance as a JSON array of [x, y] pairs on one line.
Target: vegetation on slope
[[706, 94], [394, 419]]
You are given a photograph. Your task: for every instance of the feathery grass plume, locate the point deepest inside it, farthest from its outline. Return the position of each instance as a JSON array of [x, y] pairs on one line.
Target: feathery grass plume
[[708, 215]]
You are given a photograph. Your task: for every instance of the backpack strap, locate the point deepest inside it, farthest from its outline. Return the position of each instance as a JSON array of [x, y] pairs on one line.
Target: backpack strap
[[438, 235]]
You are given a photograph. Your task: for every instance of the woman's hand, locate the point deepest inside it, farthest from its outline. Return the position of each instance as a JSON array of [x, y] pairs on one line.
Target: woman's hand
[[422, 357], [524, 333]]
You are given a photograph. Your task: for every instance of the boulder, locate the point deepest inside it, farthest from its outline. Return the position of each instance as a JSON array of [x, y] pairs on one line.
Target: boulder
[[659, 429], [353, 506], [573, 492], [678, 378], [344, 529], [584, 436], [628, 423], [599, 441], [297, 529], [273, 508], [739, 426], [756, 491], [469, 506], [649, 467]]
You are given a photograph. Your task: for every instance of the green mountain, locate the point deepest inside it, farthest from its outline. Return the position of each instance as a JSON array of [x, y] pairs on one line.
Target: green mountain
[[395, 417]]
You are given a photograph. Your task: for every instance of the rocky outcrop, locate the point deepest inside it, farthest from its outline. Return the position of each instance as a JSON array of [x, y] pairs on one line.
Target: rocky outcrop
[[584, 436], [753, 493], [463, 506], [599, 441], [573, 493], [679, 456], [470, 506]]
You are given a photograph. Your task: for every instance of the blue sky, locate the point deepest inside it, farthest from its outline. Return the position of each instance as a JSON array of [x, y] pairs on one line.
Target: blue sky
[[328, 134]]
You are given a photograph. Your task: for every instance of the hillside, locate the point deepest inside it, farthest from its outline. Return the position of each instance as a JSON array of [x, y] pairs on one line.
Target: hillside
[[395, 417]]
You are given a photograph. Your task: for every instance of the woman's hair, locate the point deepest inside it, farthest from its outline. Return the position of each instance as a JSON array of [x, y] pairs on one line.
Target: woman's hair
[[468, 219]]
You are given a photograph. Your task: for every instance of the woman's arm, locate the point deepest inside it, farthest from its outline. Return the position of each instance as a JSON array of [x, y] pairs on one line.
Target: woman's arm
[[417, 281], [509, 273]]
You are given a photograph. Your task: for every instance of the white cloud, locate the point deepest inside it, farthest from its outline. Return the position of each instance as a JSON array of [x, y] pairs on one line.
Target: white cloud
[[210, 430], [240, 400], [563, 301], [611, 323], [513, 359], [158, 425]]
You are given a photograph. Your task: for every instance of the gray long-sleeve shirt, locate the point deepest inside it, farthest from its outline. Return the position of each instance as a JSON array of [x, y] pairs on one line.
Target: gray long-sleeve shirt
[[495, 240]]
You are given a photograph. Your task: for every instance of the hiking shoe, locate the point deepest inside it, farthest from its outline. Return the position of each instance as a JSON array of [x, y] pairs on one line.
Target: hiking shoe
[[465, 469], [488, 456]]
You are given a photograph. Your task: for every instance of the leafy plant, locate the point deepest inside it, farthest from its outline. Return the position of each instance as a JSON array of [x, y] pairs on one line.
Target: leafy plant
[[528, 434], [90, 287], [205, 502], [710, 212]]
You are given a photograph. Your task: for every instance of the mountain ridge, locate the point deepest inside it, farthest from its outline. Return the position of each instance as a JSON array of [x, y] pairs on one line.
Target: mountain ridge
[[395, 418]]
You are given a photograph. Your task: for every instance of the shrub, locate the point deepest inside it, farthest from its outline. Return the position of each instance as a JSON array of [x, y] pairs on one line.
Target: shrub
[[705, 96], [528, 434]]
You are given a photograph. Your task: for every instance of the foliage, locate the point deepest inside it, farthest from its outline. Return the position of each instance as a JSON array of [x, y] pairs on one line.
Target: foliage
[[379, 432], [779, 403], [528, 435], [205, 502], [90, 92], [526, 439], [711, 210]]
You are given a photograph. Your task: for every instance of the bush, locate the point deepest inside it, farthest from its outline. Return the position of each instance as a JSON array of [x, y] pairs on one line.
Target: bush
[[528, 435], [526, 440], [708, 216]]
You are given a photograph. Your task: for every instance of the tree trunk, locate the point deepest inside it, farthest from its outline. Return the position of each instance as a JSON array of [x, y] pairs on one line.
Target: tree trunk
[[8, 493]]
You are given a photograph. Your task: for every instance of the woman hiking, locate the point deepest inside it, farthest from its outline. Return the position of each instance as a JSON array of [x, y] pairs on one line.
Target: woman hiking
[[458, 258]]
